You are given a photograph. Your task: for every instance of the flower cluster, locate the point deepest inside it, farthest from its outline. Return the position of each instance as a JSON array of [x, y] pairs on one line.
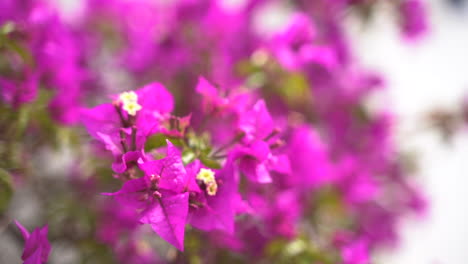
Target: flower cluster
[[256, 144], [191, 184]]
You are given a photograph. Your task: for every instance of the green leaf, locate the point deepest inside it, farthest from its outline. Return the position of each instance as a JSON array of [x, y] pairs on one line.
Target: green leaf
[[7, 27], [159, 140], [6, 190], [295, 89], [155, 141], [210, 163], [18, 48], [188, 156]]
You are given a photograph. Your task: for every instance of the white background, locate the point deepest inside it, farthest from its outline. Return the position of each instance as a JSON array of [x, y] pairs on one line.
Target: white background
[[432, 73]]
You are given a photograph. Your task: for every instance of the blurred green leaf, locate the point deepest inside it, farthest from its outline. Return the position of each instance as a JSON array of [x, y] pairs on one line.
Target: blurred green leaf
[[210, 163], [188, 156], [275, 247], [7, 28], [245, 68], [155, 141], [296, 89], [159, 140], [18, 48], [6, 190]]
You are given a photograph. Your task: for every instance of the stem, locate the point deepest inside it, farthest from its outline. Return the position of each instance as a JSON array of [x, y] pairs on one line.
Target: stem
[[273, 133], [219, 157], [125, 124], [122, 141], [133, 138], [238, 137], [121, 117], [278, 143]]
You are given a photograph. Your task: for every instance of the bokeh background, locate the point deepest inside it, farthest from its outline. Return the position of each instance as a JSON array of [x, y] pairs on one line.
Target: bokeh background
[[423, 75], [430, 74]]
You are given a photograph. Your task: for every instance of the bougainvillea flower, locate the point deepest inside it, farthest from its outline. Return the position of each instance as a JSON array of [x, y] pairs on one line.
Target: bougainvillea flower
[[294, 47], [354, 182], [287, 43], [321, 159], [213, 101], [158, 196], [253, 161], [355, 253], [257, 162], [103, 124], [167, 217], [213, 197], [60, 55], [413, 18], [279, 212], [37, 247], [126, 160], [378, 224], [171, 169], [321, 55], [15, 93], [114, 221], [256, 123], [255, 156], [309, 159], [136, 112]]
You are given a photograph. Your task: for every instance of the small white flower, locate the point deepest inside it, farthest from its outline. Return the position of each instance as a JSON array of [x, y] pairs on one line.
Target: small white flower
[[131, 108]]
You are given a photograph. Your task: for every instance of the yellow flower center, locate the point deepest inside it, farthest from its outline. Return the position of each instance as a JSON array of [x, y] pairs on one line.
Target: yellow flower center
[[207, 176], [212, 188]]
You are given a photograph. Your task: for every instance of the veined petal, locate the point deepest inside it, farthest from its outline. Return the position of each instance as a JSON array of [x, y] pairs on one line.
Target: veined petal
[[167, 218], [132, 193]]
